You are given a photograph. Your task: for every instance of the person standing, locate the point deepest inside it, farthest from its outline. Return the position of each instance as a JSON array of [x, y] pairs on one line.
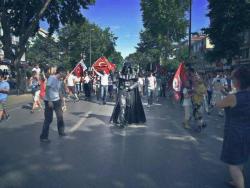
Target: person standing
[[163, 85], [236, 143], [104, 85], [53, 102], [199, 90], [128, 108], [151, 88], [87, 86], [140, 84], [4, 90]]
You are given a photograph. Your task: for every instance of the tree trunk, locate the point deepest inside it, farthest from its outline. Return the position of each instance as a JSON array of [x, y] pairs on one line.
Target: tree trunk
[[18, 75]]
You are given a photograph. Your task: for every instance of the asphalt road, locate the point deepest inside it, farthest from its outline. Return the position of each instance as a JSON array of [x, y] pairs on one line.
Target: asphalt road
[[159, 154]]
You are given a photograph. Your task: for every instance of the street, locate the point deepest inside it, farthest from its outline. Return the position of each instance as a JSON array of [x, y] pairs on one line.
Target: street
[[96, 154]]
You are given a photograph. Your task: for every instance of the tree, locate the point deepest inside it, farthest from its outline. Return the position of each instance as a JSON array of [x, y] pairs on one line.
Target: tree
[[166, 21], [75, 39], [229, 18], [21, 19], [45, 50]]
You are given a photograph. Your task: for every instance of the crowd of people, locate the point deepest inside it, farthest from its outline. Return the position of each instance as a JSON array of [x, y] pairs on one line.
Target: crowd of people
[[225, 93], [228, 94]]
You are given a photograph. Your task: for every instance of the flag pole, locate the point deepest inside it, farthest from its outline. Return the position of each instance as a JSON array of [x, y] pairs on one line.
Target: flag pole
[[74, 68]]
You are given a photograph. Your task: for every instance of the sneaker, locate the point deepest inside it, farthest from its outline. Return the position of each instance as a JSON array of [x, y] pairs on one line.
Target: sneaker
[[44, 140], [63, 134], [7, 117], [186, 125], [204, 125]]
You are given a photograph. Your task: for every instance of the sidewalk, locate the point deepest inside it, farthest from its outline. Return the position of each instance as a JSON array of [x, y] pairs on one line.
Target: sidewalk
[[16, 100]]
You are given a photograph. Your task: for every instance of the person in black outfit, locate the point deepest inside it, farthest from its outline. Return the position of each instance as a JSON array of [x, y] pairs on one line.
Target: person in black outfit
[[128, 108]]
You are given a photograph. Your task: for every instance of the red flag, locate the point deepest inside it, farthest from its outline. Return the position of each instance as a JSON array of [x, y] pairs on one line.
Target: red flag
[[179, 78], [103, 64], [78, 70]]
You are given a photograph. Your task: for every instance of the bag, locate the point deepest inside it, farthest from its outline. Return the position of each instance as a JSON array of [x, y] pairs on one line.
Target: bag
[[34, 89]]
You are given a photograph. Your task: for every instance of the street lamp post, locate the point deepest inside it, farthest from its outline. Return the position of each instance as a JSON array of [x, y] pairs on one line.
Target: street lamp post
[[90, 48], [190, 29]]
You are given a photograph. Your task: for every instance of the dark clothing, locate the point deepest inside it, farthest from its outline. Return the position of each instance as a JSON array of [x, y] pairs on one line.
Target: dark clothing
[[150, 96], [87, 90], [128, 108], [236, 144], [209, 97], [48, 113]]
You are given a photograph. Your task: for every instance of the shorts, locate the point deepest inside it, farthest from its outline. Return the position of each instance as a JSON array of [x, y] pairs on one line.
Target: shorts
[[36, 96], [236, 146], [3, 105], [71, 89]]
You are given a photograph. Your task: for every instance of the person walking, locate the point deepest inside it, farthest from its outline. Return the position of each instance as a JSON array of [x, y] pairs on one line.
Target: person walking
[[35, 90], [236, 143], [151, 80], [53, 102], [71, 80]]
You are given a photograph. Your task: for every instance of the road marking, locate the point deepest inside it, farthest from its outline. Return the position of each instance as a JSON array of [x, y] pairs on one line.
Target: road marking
[[78, 124]]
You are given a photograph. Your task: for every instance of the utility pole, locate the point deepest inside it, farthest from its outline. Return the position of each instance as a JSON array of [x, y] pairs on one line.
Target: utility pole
[[90, 47], [90, 55], [190, 29]]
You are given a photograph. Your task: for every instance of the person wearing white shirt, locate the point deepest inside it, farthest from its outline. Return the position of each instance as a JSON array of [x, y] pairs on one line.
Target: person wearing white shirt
[[71, 80], [151, 88], [141, 84], [104, 84], [37, 69]]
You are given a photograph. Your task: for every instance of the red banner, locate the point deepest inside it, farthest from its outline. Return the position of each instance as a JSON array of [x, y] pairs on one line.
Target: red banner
[[79, 69], [103, 64], [179, 78]]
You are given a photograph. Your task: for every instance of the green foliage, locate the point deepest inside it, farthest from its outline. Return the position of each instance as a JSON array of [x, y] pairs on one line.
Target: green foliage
[[182, 53], [165, 19], [165, 23], [45, 51], [171, 65], [228, 18], [21, 18], [74, 40]]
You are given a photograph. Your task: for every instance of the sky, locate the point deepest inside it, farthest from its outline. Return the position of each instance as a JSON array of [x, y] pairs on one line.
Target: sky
[[125, 20]]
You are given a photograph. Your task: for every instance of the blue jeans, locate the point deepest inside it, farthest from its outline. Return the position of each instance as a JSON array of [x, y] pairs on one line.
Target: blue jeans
[[104, 90], [150, 96]]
